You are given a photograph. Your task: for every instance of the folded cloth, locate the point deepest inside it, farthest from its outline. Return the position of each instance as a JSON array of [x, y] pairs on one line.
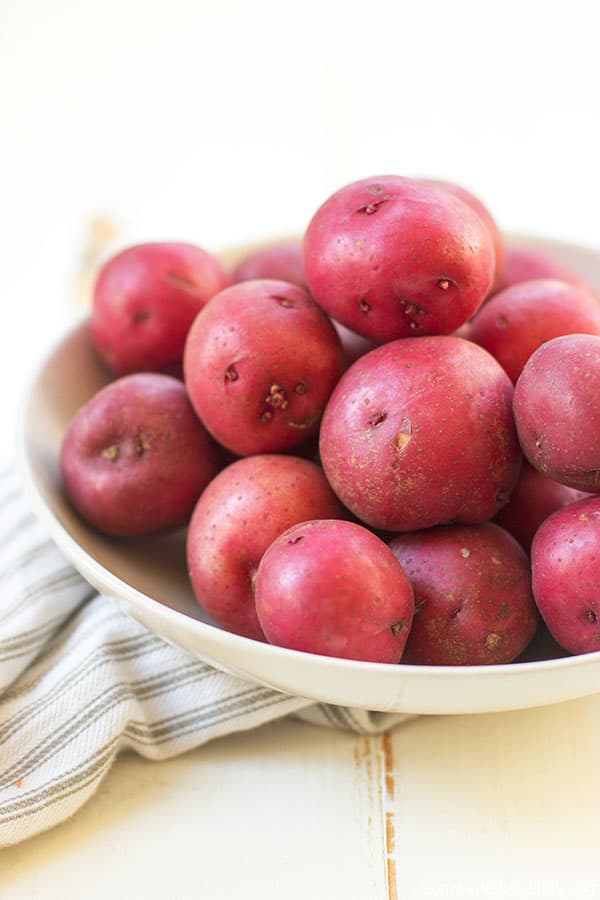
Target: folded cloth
[[80, 680]]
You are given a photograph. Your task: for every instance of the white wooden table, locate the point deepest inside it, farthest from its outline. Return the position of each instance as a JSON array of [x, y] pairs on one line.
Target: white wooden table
[[222, 123], [502, 805]]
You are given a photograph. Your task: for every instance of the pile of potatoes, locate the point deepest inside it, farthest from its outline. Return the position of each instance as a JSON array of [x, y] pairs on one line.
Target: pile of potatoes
[[341, 423]]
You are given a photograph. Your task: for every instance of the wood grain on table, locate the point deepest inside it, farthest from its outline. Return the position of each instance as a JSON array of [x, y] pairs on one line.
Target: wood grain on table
[[499, 805]]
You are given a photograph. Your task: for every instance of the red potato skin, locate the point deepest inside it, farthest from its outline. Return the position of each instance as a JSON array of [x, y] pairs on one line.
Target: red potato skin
[[135, 458], [391, 257], [145, 300], [420, 432], [282, 262], [565, 558], [334, 588], [518, 320], [473, 600], [534, 498], [260, 363], [557, 411], [486, 217], [242, 511], [526, 264]]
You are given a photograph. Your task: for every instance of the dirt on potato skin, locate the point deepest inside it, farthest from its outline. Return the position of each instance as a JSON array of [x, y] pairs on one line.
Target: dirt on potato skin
[[565, 558], [557, 410], [420, 432], [392, 257], [135, 458], [473, 598], [260, 363], [145, 300], [515, 322], [334, 588]]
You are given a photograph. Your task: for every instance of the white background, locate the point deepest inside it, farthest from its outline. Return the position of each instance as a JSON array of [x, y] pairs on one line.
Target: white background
[[229, 121], [220, 122]]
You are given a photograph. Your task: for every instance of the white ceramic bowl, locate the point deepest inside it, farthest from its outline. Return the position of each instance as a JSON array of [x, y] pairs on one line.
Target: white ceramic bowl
[[148, 577]]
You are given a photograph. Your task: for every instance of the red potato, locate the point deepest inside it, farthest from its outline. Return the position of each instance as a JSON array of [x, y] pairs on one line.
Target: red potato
[[557, 411], [565, 559], [488, 220], [473, 600], [518, 320], [420, 432], [145, 300], [284, 262], [260, 363], [135, 458], [334, 588], [526, 264], [281, 261], [391, 257], [242, 511], [534, 498]]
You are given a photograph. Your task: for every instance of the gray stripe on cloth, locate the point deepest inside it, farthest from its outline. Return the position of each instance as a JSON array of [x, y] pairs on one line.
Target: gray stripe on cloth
[[41, 590], [327, 712], [18, 528], [99, 706], [85, 620], [352, 723], [127, 649], [209, 714], [335, 716], [30, 635], [29, 556], [91, 769]]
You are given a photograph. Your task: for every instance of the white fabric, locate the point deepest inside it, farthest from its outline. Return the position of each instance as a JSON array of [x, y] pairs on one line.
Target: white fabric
[[80, 680]]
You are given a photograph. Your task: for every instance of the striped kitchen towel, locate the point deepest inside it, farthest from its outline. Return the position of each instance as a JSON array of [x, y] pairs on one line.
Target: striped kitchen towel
[[80, 680]]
